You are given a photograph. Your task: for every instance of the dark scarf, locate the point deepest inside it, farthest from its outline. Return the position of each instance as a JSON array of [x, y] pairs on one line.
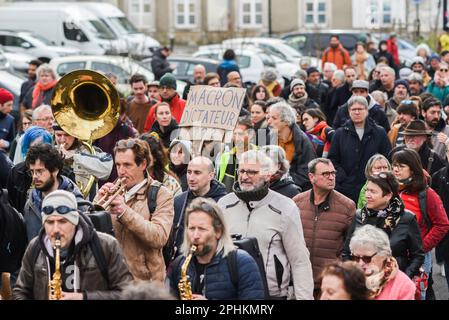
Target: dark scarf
[[254, 195], [388, 218]]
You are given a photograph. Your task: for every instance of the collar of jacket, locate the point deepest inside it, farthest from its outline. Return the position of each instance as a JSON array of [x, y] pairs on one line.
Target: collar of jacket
[[369, 125], [249, 196], [323, 206]]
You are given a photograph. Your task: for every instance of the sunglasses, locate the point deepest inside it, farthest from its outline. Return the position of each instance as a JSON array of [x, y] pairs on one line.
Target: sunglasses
[[126, 144], [61, 209], [444, 70], [365, 259]]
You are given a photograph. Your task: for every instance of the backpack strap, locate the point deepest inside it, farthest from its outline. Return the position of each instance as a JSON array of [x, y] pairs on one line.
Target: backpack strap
[[422, 199], [152, 196], [232, 265], [98, 253]]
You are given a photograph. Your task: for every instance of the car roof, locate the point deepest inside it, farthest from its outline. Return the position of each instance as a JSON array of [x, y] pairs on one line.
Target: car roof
[[93, 57]]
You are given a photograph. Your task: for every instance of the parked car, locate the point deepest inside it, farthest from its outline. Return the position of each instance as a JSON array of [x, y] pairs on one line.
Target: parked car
[[122, 67], [313, 43], [272, 46], [34, 45], [251, 61], [12, 82], [185, 65], [16, 62]]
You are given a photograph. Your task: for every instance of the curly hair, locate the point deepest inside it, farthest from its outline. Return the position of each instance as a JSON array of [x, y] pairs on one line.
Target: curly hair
[[48, 155]]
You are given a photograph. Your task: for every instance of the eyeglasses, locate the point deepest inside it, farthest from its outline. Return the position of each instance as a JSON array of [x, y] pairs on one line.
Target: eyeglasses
[[37, 172], [45, 119], [327, 174], [61, 210], [407, 102], [444, 70], [365, 259], [358, 110], [250, 173]]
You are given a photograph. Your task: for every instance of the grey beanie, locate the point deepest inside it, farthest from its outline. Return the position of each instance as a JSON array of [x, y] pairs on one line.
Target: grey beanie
[[296, 82], [59, 198]]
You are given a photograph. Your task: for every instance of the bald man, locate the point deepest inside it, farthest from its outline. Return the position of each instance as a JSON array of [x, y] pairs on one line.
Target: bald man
[[235, 78], [199, 73], [202, 183]]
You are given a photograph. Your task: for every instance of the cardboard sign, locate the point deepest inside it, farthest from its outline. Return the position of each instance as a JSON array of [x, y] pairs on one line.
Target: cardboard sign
[[210, 107]]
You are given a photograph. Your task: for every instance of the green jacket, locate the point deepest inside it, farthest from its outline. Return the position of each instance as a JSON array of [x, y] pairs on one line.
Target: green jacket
[[362, 198]]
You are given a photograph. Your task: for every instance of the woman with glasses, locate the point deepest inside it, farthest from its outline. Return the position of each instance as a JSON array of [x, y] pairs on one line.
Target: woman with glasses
[[439, 86], [24, 123], [343, 281], [371, 249], [424, 202], [384, 209]]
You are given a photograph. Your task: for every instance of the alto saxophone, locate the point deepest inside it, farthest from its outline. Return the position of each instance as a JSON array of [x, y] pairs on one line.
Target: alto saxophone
[[184, 285], [55, 284]]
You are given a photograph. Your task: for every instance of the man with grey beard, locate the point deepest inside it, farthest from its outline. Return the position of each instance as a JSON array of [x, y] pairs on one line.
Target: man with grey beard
[[274, 220]]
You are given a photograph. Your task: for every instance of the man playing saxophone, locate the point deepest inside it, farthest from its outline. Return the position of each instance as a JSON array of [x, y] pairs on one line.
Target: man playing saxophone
[[142, 235], [202, 272], [91, 265]]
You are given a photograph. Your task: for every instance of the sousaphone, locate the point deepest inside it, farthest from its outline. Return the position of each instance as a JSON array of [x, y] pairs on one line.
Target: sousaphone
[[86, 105]]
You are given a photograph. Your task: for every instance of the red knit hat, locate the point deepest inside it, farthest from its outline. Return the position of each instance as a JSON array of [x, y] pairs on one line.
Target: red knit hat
[[5, 96]]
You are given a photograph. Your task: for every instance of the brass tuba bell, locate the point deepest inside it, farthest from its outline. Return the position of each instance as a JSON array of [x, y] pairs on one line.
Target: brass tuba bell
[[86, 105]]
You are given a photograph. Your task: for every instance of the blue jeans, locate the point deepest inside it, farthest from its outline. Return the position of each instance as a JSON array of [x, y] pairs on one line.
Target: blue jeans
[[427, 266]]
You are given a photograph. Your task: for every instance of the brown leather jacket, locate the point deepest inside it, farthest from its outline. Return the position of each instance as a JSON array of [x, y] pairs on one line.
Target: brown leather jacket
[[141, 237], [325, 230]]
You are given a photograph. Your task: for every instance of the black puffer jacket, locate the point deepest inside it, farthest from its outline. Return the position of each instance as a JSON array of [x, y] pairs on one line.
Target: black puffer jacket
[[19, 181], [160, 65], [285, 186], [405, 241]]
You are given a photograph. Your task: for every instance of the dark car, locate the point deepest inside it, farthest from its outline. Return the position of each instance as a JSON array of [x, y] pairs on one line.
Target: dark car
[[313, 43], [185, 65]]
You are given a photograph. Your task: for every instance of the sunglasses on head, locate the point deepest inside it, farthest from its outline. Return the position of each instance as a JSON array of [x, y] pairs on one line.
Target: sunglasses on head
[[125, 144], [60, 209], [365, 259]]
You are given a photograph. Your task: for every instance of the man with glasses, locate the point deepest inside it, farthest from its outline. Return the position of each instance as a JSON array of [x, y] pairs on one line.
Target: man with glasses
[[415, 84], [44, 163], [141, 234], [202, 183], [81, 268], [375, 112], [274, 220], [353, 145], [326, 216], [432, 114], [167, 91]]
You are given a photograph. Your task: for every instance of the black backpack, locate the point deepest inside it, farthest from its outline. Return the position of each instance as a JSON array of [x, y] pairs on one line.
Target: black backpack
[[13, 236], [251, 246]]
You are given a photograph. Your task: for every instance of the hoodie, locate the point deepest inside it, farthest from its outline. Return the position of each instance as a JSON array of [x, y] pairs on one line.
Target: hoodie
[[182, 201]]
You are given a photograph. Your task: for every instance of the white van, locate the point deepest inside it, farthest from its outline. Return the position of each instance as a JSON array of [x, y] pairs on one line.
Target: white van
[[138, 43], [63, 24]]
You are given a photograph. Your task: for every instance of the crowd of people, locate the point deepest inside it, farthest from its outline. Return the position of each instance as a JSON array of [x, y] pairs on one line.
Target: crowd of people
[[341, 176]]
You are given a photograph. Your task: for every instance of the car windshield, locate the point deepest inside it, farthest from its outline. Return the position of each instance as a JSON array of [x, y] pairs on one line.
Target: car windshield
[[123, 24], [100, 30], [267, 60]]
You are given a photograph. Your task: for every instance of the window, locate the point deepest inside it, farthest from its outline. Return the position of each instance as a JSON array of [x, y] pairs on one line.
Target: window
[[140, 13], [315, 12], [67, 67], [379, 13], [251, 13], [72, 32], [186, 13]]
